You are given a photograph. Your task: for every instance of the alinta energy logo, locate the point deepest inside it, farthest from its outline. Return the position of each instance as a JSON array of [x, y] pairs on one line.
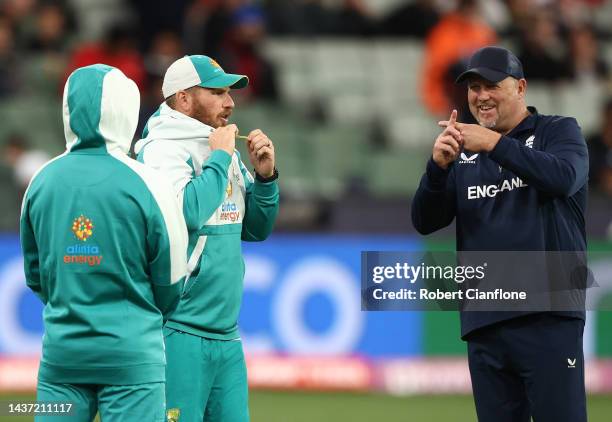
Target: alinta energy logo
[[82, 227], [80, 253], [229, 212]]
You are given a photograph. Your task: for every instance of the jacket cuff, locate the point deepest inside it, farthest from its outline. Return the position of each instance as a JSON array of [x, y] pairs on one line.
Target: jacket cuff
[[501, 149], [435, 174], [262, 179], [265, 189]]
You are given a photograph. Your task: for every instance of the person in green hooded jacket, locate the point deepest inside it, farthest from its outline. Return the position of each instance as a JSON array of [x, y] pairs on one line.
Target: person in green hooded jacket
[[104, 244], [190, 140]]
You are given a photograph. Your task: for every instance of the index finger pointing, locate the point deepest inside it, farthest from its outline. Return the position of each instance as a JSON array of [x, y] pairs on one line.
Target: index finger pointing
[[453, 118]]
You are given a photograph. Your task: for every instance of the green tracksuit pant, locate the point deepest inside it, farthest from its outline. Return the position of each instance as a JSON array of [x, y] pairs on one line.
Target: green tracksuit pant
[[116, 403], [206, 379]]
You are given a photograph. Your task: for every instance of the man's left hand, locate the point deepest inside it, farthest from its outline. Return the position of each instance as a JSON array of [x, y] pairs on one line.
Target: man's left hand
[[261, 153], [475, 137]]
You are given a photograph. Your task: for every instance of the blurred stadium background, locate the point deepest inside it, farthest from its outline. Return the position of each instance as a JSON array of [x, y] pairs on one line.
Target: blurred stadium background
[[350, 91]]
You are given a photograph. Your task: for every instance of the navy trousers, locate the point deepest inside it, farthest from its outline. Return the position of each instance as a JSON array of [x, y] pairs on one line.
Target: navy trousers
[[529, 367]]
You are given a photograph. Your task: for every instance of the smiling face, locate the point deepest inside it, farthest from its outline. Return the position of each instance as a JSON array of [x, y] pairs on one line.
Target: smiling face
[[498, 106], [211, 106]]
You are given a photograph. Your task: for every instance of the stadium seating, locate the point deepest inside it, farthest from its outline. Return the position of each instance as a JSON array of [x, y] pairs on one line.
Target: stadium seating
[[349, 108]]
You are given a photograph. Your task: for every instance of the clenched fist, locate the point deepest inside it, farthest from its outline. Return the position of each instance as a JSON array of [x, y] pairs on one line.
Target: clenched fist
[[224, 138], [261, 153]]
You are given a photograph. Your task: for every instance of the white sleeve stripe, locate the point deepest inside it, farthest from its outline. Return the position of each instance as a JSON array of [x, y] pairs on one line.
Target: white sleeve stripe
[[196, 253], [181, 199], [25, 195], [164, 196], [162, 157]]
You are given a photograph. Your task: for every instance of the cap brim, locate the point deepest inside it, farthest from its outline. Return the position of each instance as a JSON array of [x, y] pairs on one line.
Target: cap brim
[[485, 73], [226, 80]]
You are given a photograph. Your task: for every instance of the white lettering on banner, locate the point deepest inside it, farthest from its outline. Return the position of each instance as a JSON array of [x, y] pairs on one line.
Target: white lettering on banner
[[259, 276], [13, 338], [490, 191], [318, 275]]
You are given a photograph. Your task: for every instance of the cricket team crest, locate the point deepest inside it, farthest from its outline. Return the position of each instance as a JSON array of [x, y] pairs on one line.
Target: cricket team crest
[[172, 415], [228, 190], [215, 64], [82, 227]]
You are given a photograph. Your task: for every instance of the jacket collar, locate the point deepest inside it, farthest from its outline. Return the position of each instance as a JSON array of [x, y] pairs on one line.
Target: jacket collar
[[527, 124]]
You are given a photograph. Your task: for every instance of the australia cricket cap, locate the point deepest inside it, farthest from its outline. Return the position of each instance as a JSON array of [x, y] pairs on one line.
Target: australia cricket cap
[[199, 70], [493, 64]]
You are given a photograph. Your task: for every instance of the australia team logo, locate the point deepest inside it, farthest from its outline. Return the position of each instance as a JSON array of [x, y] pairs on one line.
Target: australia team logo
[[215, 64], [173, 415], [82, 227]]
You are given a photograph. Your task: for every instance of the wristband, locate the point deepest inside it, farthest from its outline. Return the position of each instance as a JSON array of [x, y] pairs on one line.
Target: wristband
[[262, 179]]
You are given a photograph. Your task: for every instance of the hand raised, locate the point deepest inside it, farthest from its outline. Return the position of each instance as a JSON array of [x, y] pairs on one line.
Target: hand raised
[[261, 153], [448, 144], [224, 138]]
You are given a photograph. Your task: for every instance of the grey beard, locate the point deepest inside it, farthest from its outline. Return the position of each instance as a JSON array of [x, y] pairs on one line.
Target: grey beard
[[490, 125]]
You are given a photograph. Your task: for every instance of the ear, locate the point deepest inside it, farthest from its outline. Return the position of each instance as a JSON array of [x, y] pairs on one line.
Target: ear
[[183, 101], [521, 87]]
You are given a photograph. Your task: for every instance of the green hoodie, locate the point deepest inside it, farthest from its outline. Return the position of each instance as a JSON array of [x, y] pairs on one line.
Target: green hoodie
[[223, 205], [104, 242]]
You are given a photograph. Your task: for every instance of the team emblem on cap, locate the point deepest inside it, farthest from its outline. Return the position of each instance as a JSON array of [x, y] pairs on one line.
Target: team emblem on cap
[[215, 64]]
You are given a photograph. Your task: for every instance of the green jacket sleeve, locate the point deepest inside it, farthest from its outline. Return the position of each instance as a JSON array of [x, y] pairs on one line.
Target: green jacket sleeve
[[167, 298], [261, 207], [205, 193], [166, 242], [29, 248]]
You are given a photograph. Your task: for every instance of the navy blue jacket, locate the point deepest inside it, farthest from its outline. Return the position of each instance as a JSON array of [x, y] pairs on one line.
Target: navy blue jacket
[[528, 194]]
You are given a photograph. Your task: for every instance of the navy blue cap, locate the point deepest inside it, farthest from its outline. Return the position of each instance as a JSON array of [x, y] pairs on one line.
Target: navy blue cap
[[493, 64]]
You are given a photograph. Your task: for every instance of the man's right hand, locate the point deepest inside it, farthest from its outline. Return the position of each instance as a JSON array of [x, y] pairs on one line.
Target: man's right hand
[[447, 147], [224, 138]]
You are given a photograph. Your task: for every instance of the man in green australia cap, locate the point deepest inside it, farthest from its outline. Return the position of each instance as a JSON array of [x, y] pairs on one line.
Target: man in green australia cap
[[189, 139]]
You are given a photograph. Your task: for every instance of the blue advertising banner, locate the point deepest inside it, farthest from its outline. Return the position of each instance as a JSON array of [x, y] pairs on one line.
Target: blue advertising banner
[[20, 311], [301, 296]]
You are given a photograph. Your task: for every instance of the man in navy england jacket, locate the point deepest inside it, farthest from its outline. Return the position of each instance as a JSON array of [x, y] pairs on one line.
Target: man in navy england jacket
[[517, 181]]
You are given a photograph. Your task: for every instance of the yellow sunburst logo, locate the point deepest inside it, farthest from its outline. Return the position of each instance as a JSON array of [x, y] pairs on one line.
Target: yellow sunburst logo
[[82, 227], [228, 190], [215, 64], [172, 415]]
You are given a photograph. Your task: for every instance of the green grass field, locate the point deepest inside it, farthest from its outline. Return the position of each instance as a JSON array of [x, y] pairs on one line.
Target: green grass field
[[272, 406]]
